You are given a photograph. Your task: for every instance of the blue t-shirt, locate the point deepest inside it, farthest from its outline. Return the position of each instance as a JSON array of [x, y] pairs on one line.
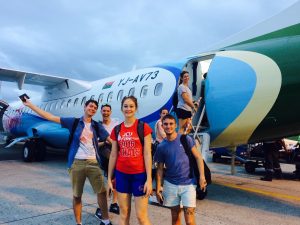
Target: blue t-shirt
[[176, 161], [67, 122]]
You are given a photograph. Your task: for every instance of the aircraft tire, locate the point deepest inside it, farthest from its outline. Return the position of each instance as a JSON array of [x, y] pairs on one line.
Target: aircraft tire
[[41, 151], [29, 151], [250, 167], [215, 157]]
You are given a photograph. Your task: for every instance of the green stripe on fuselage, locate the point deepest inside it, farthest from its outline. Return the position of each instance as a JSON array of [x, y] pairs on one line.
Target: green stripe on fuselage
[[283, 46]]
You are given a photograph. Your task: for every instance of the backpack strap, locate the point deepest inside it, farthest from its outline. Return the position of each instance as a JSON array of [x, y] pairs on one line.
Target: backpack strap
[[117, 130], [188, 151], [95, 125], [75, 123], [140, 131]]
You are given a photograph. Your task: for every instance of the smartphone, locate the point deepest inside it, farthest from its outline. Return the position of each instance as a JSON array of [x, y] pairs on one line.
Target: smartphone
[[23, 97], [161, 200]]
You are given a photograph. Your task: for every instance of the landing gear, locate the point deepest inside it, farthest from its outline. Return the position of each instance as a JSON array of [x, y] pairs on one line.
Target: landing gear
[[250, 166], [34, 150], [216, 157]]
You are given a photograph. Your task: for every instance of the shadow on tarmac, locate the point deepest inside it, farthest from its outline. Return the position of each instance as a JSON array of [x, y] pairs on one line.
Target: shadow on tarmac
[[251, 200]]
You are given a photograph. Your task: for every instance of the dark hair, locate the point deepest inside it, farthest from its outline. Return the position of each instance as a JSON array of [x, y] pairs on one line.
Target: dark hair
[[181, 75], [160, 111], [134, 99], [91, 101], [106, 105], [168, 116]]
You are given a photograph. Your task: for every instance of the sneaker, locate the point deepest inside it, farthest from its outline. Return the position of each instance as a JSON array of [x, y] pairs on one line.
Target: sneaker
[[266, 178], [102, 223], [114, 208], [98, 214]]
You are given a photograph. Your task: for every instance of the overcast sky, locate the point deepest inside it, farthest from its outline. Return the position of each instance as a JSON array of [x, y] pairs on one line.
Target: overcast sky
[[91, 39]]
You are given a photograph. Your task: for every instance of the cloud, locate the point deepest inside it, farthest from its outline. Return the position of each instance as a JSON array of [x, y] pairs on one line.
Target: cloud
[[94, 39]]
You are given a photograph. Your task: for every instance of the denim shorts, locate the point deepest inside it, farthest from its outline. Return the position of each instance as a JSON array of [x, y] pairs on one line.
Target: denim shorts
[[130, 183], [175, 195]]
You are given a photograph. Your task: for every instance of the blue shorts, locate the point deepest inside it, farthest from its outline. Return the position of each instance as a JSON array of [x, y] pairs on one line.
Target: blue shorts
[[130, 183]]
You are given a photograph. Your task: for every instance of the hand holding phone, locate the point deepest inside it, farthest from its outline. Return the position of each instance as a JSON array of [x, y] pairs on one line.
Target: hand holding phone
[[23, 97], [160, 198]]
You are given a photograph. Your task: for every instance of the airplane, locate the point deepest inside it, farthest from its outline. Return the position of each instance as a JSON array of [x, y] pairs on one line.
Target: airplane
[[252, 79]]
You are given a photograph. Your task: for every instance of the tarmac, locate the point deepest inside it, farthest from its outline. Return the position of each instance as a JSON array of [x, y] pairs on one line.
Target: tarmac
[[40, 193]]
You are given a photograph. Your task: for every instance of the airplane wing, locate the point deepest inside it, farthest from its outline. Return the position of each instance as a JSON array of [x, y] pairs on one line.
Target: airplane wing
[[67, 86], [29, 78]]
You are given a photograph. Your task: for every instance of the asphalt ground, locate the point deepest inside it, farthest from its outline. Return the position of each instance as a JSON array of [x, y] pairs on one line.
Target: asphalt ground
[[40, 193]]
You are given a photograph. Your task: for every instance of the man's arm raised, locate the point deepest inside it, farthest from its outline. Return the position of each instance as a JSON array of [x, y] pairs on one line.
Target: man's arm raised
[[41, 112]]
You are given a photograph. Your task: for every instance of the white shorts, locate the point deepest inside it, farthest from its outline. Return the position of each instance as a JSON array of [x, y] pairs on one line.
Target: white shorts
[[175, 195]]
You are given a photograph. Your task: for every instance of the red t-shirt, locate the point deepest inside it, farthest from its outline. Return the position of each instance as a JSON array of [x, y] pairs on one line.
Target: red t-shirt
[[130, 156]]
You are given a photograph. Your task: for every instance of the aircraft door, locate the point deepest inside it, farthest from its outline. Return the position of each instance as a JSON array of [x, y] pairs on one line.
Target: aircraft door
[[197, 69]]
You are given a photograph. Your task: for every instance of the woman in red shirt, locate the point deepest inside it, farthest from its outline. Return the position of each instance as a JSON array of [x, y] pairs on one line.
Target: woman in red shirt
[[131, 162]]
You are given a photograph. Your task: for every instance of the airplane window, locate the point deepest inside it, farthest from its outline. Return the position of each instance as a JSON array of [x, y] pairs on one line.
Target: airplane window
[[158, 89], [100, 99], [62, 104], [76, 101], [56, 105], [50, 106], [110, 96], [69, 103], [144, 91], [120, 95], [92, 97], [83, 100], [131, 91]]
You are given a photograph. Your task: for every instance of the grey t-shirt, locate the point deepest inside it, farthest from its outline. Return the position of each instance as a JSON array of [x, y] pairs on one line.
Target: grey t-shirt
[[181, 103]]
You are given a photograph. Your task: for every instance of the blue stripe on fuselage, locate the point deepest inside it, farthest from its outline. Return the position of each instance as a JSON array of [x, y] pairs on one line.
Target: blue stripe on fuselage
[[230, 85]]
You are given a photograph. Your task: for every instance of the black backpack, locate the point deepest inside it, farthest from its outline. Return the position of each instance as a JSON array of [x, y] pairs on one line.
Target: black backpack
[[194, 172], [140, 131]]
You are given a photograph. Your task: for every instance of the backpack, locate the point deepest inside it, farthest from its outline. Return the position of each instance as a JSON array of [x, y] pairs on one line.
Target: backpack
[[140, 131], [194, 172]]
